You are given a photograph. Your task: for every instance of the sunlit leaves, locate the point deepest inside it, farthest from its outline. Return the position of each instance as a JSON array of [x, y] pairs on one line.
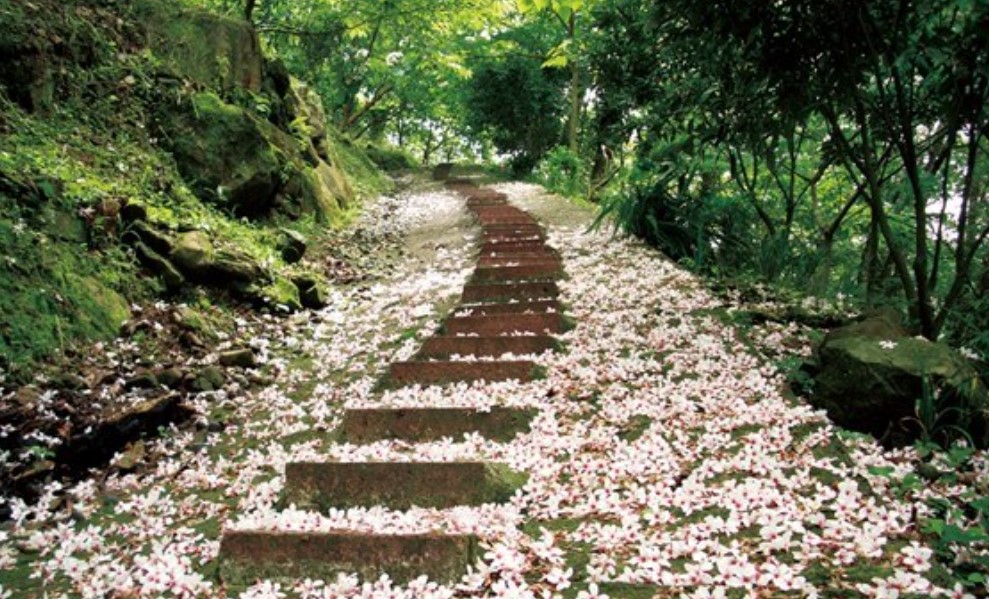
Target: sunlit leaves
[[558, 56]]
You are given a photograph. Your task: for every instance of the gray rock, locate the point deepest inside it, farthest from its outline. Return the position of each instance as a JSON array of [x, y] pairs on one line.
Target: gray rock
[[292, 246], [133, 212], [193, 253], [312, 293], [234, 269], [156, 240], [145, 380], [243, 358], [209, 378], [170, 377], [160, 265]]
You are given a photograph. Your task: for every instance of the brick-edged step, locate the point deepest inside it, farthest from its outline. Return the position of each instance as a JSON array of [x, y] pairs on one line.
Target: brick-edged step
[[475, 203], [398, 485], [500, 211], [520, 272], [508, 246], [528, 228], [420, 425], [502, 227], [506, 260], [504, 324], [510, 308], [524, 231], [438, 373], [481, 197], [495, 292], [541, 251], [512, 238], [444, 346], [247, 556]]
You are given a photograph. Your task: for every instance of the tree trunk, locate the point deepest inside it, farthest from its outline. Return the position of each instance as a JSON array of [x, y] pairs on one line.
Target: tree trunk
[[249, 10], [870, 262], [573, 122]]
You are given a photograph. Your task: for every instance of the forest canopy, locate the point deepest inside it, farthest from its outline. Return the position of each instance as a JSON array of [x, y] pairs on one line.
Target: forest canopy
[[833, 148]]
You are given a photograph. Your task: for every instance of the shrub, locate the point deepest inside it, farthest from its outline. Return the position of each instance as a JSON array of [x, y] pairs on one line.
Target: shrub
[[563, 172], [390, 158]]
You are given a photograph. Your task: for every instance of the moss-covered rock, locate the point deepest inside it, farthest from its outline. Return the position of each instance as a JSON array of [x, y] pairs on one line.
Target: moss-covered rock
[[306, 108], [247, 166], [282, 294], [291, 245], [312, 293], [193, 253], [51, 294], [227, 156], [160, 266], [870, 378], [215, 51]]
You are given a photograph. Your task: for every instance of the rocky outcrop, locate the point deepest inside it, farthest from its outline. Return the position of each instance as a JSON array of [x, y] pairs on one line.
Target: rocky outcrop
[[232, 158], [305, 105], [194, 44], [869, 377], [226, 155]]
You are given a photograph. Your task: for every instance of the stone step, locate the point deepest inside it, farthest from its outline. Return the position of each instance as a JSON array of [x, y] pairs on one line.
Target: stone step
[[444, 346], [421, 425], [521, 272], [460, 182], [511, 308], [507, 246], [474, 203], [500, 211], [498, 227], [494, 250], [482, 196], [490, 325], [504, 209], [501, 292], [438, 373], [507, 260], [516, 230], [512, 236], [247, 556], [487, 212], [398, 485]]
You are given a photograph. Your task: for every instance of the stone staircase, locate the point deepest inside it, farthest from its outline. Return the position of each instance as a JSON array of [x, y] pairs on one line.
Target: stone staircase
[[508, 307]]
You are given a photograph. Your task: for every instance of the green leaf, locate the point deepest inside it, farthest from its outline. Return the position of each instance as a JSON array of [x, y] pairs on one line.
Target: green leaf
[[555, 62], [954, 534], [559, 56], [981, 504], [884, 471]]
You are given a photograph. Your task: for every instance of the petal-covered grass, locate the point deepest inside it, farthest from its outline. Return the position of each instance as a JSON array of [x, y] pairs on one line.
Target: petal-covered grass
[[667, 458]]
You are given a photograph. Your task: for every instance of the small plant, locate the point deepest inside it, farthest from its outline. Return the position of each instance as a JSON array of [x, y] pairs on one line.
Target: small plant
[[563, 172], [942, 418], [960, 532]]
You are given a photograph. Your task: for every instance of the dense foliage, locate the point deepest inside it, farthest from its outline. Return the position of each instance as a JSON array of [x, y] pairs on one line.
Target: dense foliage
[[830, 147], [833, 146]]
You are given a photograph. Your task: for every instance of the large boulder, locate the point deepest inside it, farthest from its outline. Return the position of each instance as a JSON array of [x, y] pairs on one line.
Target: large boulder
[[246, 165], [228, 156], [869, 378]]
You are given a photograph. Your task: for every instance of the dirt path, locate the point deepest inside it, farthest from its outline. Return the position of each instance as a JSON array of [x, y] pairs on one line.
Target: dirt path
[[660, 453]]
